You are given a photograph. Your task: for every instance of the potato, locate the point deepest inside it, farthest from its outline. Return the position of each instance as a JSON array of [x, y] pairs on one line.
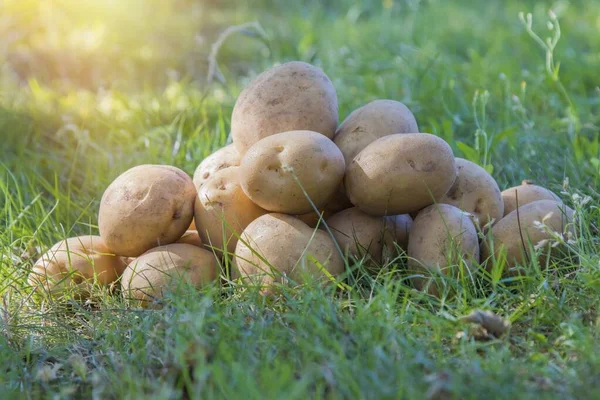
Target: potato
[[399, 227], [289, 246], [151, 274], [370, 122], [269, 170], [146, 206], [223, 210], [401, 173], [339, 201], [527, 193], [517, 232], [191, 237], [366, 124], [289, 97], [476, 192], [358, 233], [223, 158], [312, 218], [128, 260], [442, 237], [77, 263]]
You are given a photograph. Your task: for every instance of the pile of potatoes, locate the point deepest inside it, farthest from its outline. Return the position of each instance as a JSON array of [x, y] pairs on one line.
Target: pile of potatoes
[[297, 198]]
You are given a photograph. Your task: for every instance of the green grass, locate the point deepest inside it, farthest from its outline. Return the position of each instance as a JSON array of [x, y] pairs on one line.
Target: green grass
[[74, 116]]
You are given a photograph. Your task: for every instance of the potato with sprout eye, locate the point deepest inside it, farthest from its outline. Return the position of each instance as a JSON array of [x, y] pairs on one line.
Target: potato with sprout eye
[[280, 171], [223, 210], [223, 158]]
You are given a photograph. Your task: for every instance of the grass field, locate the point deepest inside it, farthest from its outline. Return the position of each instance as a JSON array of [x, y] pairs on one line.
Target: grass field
[[91, 88]]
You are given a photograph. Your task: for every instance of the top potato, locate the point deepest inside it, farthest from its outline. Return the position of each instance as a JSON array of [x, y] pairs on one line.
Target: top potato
[[223, 158], [288, 97], [271, 169], [370, 122], [527, 193], [476, 192], [146, 206], [400, 174]]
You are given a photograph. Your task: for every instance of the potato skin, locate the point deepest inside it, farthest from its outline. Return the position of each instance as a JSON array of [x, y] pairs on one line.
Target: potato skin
[[440, 230], [285, 241], [312, 218], [358, 233], [222, 204], [223, 158], [191, 237], [267, 171], [76, 262], [399, 174], [528, 192], [339, 201], [149, 275], [476, 192], [288, 97], [370, 122], [146, 206], [398, 227], [507, 235]]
